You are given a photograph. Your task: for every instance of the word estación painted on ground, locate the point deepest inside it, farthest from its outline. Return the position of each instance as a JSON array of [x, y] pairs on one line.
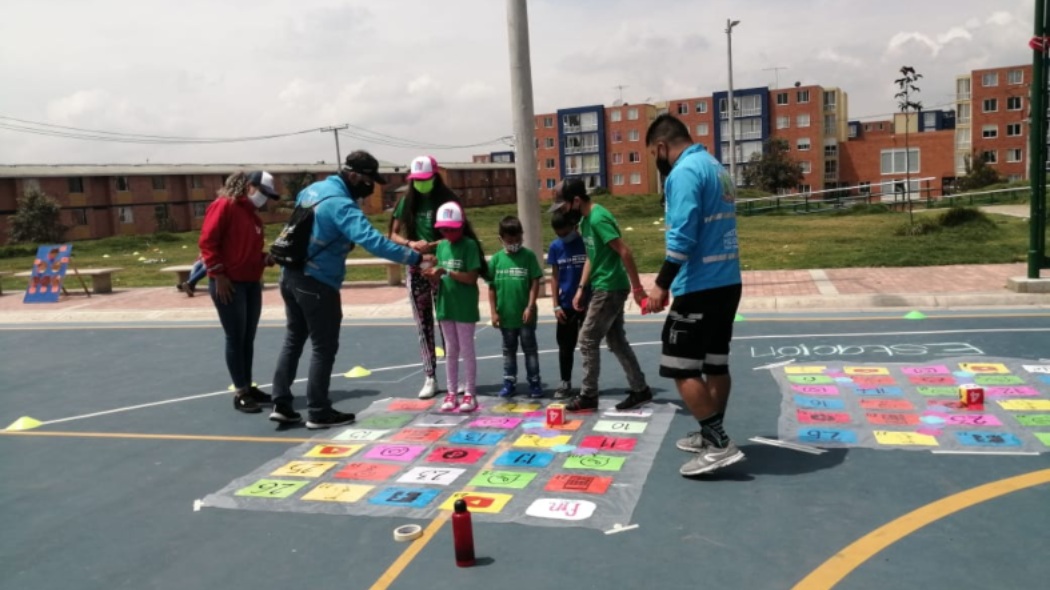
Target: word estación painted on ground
[[403, 458]]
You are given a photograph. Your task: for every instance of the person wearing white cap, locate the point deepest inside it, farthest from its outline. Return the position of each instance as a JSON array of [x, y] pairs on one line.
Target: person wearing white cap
[[412, 225]]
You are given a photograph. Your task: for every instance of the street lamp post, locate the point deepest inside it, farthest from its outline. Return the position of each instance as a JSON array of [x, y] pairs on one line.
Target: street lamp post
[[729, 106]]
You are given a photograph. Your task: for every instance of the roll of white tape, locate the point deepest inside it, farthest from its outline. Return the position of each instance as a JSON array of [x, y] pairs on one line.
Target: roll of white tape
[[409, 532]]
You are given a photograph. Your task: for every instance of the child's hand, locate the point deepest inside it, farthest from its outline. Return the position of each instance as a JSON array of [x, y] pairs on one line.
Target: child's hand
[[559, 313], [577, 301], [495, 320], [526, 317]]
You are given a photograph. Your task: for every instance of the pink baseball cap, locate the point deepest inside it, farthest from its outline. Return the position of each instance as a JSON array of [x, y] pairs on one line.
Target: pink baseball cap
[[449, 215], [423, 168]]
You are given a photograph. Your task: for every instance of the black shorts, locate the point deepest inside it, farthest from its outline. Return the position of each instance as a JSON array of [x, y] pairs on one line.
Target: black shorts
[[697, 333]]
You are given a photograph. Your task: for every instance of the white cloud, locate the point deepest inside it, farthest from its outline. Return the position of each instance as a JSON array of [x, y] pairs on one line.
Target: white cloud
[[1000, 18], [835, 57]]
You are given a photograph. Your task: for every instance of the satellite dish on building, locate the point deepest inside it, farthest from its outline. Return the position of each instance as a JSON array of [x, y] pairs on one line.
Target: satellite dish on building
[[797, 84]]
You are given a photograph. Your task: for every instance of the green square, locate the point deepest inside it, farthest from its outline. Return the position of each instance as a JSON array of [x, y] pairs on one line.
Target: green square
[[502, 479], [272, 488], [1034, 419], [1044, 437], [810, 379], [597, 462], [998, 380], [938, 391], [384, 421]]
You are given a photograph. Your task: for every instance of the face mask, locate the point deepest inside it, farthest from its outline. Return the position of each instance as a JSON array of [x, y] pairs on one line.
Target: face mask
[[360, 190], [512, 248], [663, 165], [258, 199], [423, 187], [452, 235]]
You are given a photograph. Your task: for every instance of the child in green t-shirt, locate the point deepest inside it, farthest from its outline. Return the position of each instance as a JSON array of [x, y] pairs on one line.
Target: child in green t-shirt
[[460, 261], [514, 282]]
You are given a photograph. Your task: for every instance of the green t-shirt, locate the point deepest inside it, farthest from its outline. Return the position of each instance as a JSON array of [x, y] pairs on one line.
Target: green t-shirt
[[456, 301], [511, 276], [425, 213], [607, 270]]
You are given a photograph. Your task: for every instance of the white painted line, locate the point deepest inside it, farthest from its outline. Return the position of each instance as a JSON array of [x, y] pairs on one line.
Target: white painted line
[[1017, 453], [788, 445], [823, 282], [617, 528], [774, 365]]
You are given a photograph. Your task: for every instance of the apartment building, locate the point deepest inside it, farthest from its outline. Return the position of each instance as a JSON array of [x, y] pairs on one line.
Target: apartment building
[[548, 160], [750, 123], [999, 114], [631, 171], [581, 133]]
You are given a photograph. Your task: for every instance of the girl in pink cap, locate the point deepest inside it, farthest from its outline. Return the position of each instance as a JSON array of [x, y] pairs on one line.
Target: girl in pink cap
[[412, 225], [460, 261]]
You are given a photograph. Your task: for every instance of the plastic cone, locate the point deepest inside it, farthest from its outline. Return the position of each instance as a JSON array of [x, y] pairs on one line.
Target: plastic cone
[[440, 352], [915, 315], [739, 318], [357, 372], [24, 423]]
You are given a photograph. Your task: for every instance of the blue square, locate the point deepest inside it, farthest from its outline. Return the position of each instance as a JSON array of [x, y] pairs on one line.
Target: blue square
[[819, 403], [827, 436], [987, 439], [1045, 379], [880, 392], [404, 497], [476, 437], [524, 459]]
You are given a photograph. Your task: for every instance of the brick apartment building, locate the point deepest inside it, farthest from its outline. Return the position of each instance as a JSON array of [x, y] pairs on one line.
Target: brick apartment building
[[631, 170], [993, 112]]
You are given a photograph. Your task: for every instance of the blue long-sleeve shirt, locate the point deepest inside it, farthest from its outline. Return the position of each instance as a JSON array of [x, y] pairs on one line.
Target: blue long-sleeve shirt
[[339, 224], [701, 223]]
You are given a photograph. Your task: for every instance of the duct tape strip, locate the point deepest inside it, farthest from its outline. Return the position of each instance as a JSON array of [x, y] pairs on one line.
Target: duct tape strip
[[409, 532]]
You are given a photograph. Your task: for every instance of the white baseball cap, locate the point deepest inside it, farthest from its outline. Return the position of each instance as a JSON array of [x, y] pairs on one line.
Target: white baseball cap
[[449, 215], [423, 168]]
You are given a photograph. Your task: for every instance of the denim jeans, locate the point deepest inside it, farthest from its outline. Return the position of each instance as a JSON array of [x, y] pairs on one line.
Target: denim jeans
[[240, 321], [314, 311], [197, 273], [527, 335]]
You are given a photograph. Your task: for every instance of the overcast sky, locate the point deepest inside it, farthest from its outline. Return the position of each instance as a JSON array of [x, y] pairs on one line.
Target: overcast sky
[[437, 71]]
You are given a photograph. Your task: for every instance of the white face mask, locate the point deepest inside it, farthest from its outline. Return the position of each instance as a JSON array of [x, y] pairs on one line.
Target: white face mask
[[258, 199], [513, 248]]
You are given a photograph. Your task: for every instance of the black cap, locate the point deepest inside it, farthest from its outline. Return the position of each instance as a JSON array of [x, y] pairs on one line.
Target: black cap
[[566, 191], [364, 163], [460, 505]]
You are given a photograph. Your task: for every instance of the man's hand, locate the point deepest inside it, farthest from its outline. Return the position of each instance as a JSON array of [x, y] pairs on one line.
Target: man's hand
[[421, 246], [269, 261], [427, 261], [224, 289], [657, 299]]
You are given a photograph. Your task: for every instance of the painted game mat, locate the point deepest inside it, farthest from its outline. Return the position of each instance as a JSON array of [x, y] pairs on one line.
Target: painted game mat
[[405, 458], [917, 406]]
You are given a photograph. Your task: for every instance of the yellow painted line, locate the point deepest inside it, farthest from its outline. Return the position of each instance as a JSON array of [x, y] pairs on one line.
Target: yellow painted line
[[142, 436], [840, 565]]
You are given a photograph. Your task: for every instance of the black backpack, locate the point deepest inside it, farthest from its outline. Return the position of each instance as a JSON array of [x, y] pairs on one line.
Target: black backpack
[[292, 245]]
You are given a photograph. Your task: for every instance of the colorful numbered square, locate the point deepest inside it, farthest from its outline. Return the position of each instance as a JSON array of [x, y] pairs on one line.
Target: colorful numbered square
[[333, 451], [620, 426], [609, 443], [478, 501], [384, 421], [410, 405], [988, 439], [537, 441], [455, 455], [441, 476], [337, 492], [475, 437], [367, 471], [272, 488], [404, 497], [495, 422], [825, 436], [395, 452], [304, 468], [360, 434], [597, 461], [487, 478], [418, 435], [534, 459], [582, 484]]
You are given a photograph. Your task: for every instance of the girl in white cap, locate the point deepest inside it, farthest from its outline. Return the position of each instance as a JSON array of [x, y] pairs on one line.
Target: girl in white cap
[[460, 261]]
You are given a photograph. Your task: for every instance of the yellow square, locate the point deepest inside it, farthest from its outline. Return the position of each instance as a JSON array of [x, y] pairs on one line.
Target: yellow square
[[1015, 405], [536, 441], [478, 501], [804, 370], [513, 408], [333, 451], [337, 492], [887, 437], [305, 468], [984, 368], [866, 371]]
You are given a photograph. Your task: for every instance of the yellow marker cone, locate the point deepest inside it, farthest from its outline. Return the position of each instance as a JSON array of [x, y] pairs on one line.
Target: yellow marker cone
[[231, 387], [630, 229], [357, 372], [24, 423], [440, 352], [134, 253]]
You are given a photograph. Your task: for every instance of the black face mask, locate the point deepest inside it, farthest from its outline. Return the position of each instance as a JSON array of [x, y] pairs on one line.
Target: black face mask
[[358, 190], [663, 165]]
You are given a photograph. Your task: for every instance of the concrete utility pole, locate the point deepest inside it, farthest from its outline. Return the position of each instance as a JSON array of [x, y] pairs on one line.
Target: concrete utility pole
[[729, 107], [1037, 134], [524, 123], [335, 133]]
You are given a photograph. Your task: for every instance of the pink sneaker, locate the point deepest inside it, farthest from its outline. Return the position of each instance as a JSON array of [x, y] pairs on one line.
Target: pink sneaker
[[450, 402], [469, 403]]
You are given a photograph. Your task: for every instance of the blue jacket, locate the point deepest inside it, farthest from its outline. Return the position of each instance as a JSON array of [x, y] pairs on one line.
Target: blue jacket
[[701, 223], [339, 224]]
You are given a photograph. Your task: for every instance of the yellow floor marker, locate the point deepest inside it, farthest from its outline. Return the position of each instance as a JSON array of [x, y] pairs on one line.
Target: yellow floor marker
[[357, 372], [440, 352], [24, 423]]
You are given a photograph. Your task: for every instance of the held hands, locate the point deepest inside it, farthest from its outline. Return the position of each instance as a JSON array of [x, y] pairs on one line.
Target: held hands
[[269, 260], [420, 246], [657, 300], [639, 295]]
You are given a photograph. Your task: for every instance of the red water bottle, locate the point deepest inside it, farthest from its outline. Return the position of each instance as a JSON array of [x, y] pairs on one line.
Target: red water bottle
[[463, 535]]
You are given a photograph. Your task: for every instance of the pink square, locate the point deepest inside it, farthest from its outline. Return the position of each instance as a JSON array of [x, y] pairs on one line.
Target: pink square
[[393, 452]]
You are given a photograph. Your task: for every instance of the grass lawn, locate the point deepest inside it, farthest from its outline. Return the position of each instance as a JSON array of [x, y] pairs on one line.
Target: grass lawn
[[768, 242]]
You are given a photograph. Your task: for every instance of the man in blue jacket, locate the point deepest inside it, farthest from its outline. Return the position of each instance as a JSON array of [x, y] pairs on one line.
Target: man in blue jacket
[[312, 301], [702, 271]]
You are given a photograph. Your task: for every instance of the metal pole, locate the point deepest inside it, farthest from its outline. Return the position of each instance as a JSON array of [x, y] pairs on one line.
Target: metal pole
[[524, 122], [335, 133], [729, 106], [1037, 149]]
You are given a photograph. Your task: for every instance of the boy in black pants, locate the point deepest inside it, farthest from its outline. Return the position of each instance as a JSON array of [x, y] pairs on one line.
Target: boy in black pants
[[567, 256]]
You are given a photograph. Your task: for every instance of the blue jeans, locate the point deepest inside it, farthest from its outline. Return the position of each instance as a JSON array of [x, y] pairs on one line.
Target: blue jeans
[[527, 335], [240, 321], [314, 311], [197, 273]]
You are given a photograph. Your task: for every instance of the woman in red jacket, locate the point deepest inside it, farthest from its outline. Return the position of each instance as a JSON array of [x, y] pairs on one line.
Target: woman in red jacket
[[231, 245]]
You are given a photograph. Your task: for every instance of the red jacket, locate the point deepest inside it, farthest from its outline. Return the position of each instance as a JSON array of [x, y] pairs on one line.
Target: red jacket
[[231, 240]]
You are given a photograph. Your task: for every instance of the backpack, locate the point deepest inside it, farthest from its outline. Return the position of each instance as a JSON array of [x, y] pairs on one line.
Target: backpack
[[290, 248]]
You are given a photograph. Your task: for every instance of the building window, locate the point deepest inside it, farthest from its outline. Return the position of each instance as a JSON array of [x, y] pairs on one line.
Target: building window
[[803, 96], [76, 184], [895, 161], [683, 108], [990, 156], [803, 188], [634, 157], [618, 179], [160, 211], [867, 126], [1015, 77], [196, 181], [962, 88], [537, 143], [549, 143], [701, 106], [852, 131], [782, 98], [990, 79], [200, 208], [632, 114], [829, 99], [829, 124], [617, 158], [550, 183], [636, 178], [1013, 130], [806, 167], [803, 144], [831, 150], [1013, 103], [702, 130], [990, 131], [617, 136], [864, 187], [802, 120], [160, 183], [882, 126], [548, 122], [831, 168], [79, 216], [125, 215], [990, 105], [929, 120], [550, 163], [783, 122], [633, 135], [1013, 156], [123, 185], [615, 115]]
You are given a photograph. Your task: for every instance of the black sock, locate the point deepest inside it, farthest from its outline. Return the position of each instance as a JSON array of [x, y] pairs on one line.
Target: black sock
[[711, 427]]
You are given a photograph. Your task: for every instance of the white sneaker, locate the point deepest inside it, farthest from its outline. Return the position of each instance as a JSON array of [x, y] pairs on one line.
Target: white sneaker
[[712, 458], [450, 402], [429, 389], [469, 403]]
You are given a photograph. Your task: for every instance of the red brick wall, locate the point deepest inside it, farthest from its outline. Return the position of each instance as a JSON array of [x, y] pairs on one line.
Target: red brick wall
[[543, 153], [645, 167], [860, 159], [1002, 117], [793, 133]]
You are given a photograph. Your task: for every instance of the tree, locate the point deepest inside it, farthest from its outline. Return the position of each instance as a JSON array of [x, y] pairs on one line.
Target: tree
[[294, 184], [978, 174], [36, 219], [907, 87], [774, 169]]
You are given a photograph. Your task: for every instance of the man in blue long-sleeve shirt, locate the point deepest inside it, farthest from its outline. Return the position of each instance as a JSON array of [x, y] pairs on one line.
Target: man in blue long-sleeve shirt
[[702, 271], [312, 301]]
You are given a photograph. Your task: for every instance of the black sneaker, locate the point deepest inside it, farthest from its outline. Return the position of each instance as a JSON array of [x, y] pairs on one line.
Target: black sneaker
[[564, 391], [245, 403], [636, 399], [285, 415], [263, 399], [582, 403], [329, 419]]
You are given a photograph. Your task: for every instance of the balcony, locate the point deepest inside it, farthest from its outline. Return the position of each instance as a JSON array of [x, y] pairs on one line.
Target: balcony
[[749, 112], [581, 128], [961, 96], [581, 149], [830, 177]]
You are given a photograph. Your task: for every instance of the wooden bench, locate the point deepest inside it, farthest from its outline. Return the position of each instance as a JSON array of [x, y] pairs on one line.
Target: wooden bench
[[182, 271], [3, 273], [101, 278], [393, 269]]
